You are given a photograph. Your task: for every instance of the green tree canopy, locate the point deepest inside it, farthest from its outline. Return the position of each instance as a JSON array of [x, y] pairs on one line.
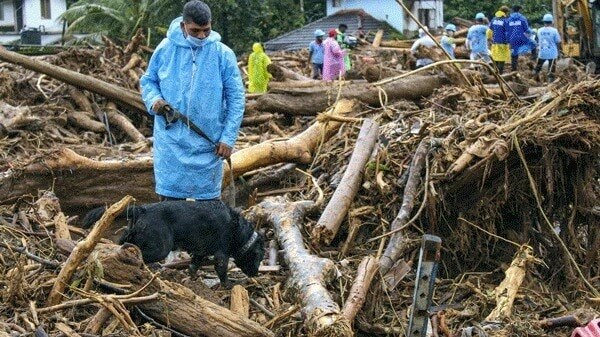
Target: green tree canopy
[[240, 22], [466, 9]]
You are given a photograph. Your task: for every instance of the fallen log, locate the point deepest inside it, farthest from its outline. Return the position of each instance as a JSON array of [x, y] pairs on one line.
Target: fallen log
[[312, 102], [394, 249], [120, 121], [126, 97], [98, 182], [281, 74], [103, 181], [309, 274], [298, 149], [335, 212], [179, 308]]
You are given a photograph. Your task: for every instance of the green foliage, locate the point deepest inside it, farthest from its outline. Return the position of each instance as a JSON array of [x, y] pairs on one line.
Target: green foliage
[[466, 9], [240, 23]]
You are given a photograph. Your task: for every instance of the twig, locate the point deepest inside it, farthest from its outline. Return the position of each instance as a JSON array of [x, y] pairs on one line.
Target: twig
[[262, 308], [488, 233], [35, 258], [108, 298], [416, 216], [153, 322], [289, 312]]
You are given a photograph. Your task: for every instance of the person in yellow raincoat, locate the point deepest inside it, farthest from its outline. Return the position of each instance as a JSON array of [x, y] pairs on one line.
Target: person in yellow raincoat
[[498, 34], [258, 76]]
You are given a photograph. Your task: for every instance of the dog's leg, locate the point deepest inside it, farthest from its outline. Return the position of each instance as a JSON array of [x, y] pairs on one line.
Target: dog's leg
[[221, 264], [195, 264]]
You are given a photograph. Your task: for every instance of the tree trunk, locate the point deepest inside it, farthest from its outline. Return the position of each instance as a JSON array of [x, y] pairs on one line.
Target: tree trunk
[[311, 103], [179, 308], [281, 74], [121, 95], [299, 148], [335, 212], [309, 273], [100, 182], [395, 247]]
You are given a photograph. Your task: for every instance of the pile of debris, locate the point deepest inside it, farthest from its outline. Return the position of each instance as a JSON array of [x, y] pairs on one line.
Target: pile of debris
[[343, 177]]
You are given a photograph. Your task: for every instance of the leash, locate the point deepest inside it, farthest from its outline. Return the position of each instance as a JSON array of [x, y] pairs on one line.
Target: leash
[[172, 115]]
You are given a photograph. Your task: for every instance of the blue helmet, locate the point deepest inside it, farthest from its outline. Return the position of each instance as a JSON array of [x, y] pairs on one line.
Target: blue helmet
[[319, 32], [548, 18], [451, 27], [479, 16]]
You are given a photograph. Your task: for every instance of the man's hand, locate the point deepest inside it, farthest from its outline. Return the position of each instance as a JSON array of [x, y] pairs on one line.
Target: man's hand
[[159, 105], [223, 150]]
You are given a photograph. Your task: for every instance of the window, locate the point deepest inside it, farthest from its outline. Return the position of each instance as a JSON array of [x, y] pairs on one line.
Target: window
[[45, 9], [425, 17]]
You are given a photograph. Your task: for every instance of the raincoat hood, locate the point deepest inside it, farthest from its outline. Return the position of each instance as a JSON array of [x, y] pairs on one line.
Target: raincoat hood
[[500, 14], [257, 48], [517, 15], [175, 34]]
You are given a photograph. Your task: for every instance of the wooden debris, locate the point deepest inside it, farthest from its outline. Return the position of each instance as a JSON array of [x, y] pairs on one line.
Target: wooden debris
[[309, 273], [506, 292], [335, 212]]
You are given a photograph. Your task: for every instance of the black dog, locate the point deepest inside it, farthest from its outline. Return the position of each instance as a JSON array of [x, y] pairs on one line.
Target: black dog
[[201, 228]]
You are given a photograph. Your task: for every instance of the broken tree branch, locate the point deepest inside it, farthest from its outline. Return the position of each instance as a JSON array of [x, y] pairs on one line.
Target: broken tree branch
[[309, 273], [83, 249], [335, 212]]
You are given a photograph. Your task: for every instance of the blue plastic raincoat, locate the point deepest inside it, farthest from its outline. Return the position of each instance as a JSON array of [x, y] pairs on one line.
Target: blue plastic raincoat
[[203, 83]]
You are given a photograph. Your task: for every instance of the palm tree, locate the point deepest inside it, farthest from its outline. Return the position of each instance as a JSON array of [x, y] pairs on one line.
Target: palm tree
[[120, 19]]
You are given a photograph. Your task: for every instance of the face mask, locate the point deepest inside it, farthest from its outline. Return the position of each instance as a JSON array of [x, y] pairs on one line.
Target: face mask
[[194, 41]]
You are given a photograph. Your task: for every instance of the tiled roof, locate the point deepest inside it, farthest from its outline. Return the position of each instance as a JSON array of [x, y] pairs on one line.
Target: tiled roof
[[301, 37]]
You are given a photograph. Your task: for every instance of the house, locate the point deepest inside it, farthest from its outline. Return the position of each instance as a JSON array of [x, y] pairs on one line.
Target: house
[[429, 12], [301, 37], [16, 15]]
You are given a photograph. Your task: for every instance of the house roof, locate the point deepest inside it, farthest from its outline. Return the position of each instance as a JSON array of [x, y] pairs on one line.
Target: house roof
[[301, 37]]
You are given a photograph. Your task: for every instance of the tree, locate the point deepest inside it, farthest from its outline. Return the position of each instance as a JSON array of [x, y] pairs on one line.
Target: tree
[[532, 9], [119, 19], [240, 23]]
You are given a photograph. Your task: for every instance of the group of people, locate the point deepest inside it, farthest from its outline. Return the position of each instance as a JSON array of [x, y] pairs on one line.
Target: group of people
[[508, 36], [330, 57], [501, 40]]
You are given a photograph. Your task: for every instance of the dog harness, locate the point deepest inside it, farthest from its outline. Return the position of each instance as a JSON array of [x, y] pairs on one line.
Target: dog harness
[[248, 244]]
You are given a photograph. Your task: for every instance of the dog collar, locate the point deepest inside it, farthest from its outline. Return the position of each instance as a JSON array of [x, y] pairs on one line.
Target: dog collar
[[248, 244]]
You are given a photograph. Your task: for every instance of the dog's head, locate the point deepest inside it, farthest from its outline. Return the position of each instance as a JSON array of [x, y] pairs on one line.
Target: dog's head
[[250, 257]]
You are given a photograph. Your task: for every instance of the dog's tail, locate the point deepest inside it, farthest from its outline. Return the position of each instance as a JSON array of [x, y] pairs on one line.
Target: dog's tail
[[133, 212]]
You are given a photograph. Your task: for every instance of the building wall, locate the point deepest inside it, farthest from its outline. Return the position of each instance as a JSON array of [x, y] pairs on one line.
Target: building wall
[[32, 15], [390, 11], [436, 12], [384, 10], [9, 14]]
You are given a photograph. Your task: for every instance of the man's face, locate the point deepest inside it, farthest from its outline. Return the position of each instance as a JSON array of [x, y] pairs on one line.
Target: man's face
[[195, 30], [342, 29], [319, 39]]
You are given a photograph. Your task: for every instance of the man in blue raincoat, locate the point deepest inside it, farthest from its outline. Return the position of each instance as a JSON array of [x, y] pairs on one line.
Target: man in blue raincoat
[[517, 31], [196, 74]]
